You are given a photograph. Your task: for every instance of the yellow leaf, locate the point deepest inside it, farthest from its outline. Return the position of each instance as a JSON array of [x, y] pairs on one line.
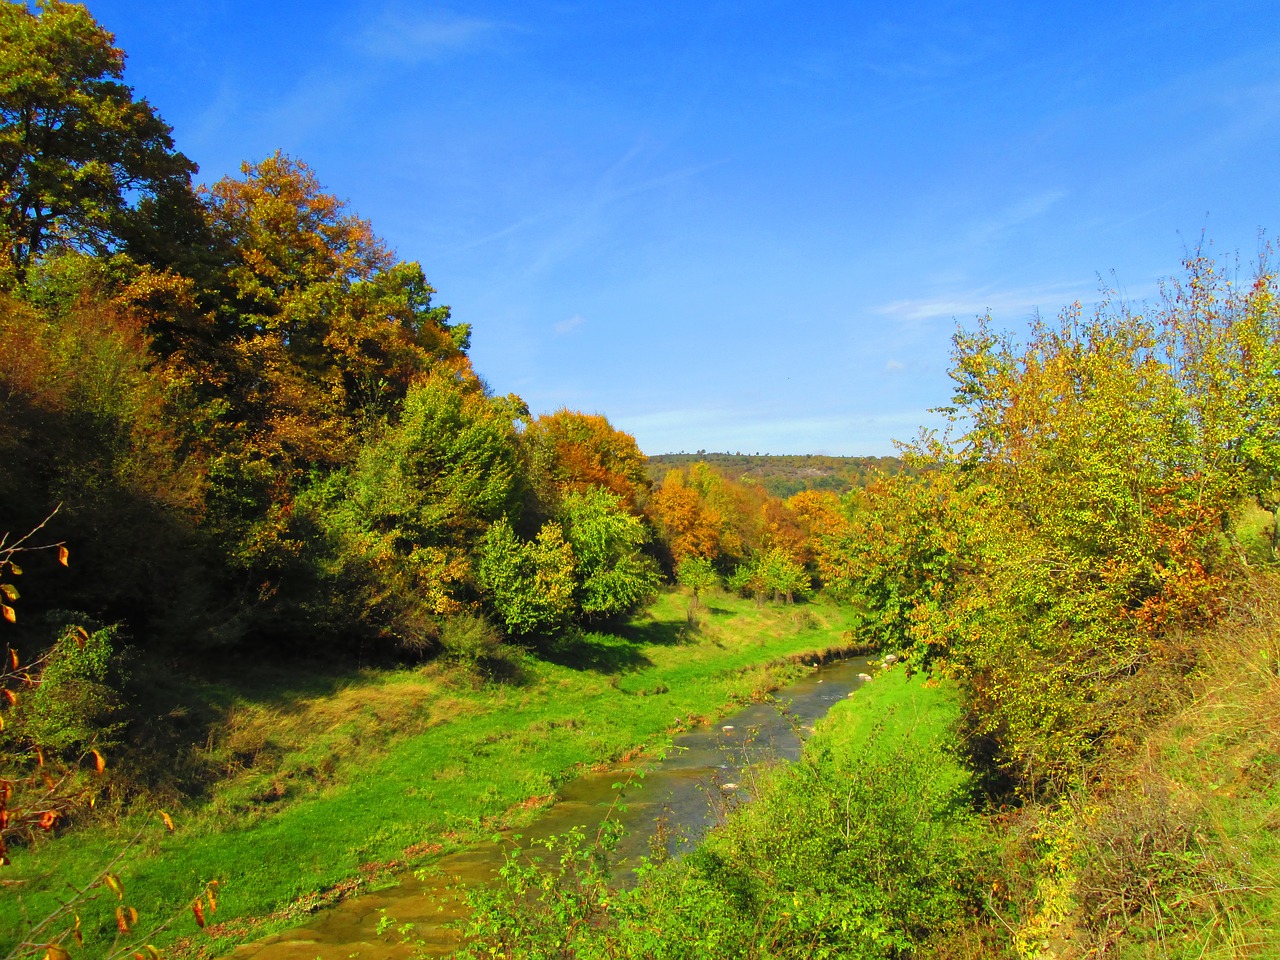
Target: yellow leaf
[[98, 763], [17, 570], [62, 555], [168, 821], [7, 612], [116, 886], [9, 590], [55, 951]]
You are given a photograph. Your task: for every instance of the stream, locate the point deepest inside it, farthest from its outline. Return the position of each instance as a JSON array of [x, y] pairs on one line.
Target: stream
[[678, 799]]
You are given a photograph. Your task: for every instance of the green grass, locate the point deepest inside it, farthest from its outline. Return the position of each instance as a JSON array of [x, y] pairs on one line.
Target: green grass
[[331, 784], [892, 712], [867, 849]]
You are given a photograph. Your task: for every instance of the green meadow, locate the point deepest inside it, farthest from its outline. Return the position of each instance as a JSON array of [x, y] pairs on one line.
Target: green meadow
[[333, 784]]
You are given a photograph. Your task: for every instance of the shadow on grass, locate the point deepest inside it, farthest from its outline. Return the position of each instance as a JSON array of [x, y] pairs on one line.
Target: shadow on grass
[[667, 633], [601, 652]]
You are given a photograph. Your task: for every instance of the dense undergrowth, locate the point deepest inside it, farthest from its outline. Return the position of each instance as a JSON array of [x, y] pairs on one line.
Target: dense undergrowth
[[1169, 846]]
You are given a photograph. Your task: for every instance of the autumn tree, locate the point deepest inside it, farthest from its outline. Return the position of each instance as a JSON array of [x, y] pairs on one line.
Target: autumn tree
[[77, 152], [316, 340], [686, 525], [1054, 554], [573, 451], [824, 524]]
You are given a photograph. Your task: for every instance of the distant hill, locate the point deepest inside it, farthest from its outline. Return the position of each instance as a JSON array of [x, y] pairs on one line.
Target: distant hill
[[783, 476]]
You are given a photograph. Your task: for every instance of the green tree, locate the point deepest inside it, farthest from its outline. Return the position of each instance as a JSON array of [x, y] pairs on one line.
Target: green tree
[[529, 584], [401, 523], [77, 151], [614, 576], [698, 575]]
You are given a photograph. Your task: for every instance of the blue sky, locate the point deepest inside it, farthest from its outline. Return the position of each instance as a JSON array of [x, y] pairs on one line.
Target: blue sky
[[747, 226]]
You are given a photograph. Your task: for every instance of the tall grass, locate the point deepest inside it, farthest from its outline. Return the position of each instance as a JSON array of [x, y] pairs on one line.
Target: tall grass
[[1172, 849]]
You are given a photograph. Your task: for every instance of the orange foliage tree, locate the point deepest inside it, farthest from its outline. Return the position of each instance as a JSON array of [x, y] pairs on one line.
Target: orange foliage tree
[[574, 451]]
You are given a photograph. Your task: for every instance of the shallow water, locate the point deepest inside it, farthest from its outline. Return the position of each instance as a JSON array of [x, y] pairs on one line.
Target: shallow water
[[705, 772]]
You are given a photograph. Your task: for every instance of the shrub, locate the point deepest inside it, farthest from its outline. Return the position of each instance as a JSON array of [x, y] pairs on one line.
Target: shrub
[[76, 704]]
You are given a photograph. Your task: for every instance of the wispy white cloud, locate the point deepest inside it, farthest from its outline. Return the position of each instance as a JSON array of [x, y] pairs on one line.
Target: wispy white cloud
[[585, 213], [894, 366], [569, 324], [1014, 215], [413, 36], [965, 304]]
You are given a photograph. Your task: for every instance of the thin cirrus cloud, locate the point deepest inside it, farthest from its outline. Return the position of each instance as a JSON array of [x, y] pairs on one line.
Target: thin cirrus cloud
[[1015, 215], [965, 304], [406, 36], [570, 324]]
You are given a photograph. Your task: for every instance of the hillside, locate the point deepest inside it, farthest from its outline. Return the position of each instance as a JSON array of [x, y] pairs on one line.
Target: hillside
[[783, 475]]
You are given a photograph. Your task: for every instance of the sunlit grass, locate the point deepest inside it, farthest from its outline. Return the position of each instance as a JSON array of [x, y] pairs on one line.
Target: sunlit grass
[[331, 783]]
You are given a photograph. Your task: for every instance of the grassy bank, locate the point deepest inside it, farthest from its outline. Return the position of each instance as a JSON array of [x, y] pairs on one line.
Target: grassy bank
[[331, 782], [866, 848], [1170, 849]]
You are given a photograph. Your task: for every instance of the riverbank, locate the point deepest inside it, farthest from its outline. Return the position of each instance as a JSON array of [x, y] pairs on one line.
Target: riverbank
[[390, 768], [867, 848]]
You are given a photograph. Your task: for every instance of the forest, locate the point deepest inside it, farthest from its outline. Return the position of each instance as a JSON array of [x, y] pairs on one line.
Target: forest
[[264, 528]]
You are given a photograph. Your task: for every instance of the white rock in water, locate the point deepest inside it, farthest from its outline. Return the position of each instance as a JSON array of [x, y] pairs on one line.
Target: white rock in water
[[864, 676], [727, 727], [728, 786]]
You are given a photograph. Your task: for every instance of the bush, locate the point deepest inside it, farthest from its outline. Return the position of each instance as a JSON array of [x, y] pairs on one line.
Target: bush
[[470, 640], [76, 704]]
